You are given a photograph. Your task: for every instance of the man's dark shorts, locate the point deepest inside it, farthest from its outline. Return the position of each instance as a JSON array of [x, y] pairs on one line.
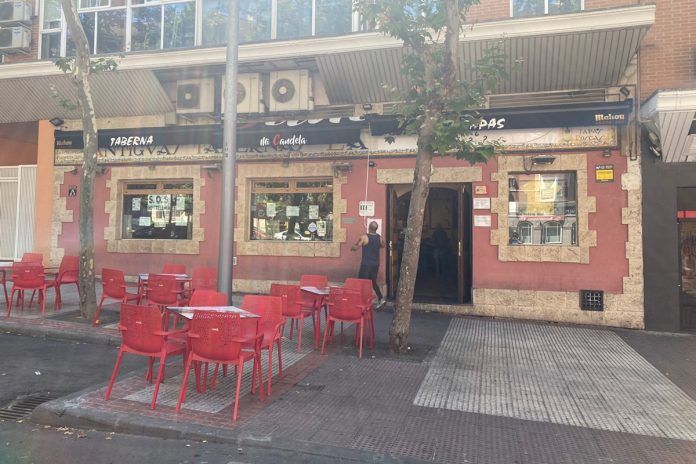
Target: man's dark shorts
[[368, 272]]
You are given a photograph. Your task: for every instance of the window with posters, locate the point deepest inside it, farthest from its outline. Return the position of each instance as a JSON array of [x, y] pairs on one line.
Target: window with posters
[[542, 208], [292, 209], [161, 209]]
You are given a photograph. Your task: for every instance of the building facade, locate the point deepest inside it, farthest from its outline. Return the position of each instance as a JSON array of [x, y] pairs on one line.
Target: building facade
[[550, 229]]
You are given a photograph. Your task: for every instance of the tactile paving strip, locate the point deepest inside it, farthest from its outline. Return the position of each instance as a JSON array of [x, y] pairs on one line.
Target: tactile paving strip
[[564, 375]]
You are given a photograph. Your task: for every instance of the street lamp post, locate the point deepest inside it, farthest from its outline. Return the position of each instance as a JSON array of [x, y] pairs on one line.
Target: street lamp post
[[227, 216]]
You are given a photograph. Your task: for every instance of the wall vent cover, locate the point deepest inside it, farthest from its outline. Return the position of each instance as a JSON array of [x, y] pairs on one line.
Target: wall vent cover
[[592, 300]]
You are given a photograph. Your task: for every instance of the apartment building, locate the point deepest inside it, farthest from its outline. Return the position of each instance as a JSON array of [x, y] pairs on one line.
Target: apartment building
[[550, 229]]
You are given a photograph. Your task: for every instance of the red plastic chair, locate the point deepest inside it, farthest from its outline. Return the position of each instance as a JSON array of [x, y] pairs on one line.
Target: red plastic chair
[[270, 308], [293, 308], [32, 258], [173, 269], [216, 337], [314, 302], [204, 278], [68, 273], [364, 286], [3, 282], [142, 334], [162, 290], [345, 306], [207, 298], [28, 276], [114, 286]]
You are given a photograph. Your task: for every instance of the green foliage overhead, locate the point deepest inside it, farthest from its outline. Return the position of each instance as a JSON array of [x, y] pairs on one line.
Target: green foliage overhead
[[434, 91], [96, 65]]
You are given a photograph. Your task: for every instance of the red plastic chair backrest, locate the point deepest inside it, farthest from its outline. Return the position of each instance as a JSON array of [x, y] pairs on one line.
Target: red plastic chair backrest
[[270, 308], [161, 289], [174, 269], [32, 258], [69, 269], [113, 283], [207, 298], [364, 286], [313, 280], [216, 335], [204, 278], [28, 274], [139, 327], [345, 304], [291, 296]]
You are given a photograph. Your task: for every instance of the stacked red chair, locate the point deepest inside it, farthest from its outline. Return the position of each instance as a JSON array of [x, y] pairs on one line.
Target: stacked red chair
[[345, 306], [68, 274], [28, 276], [270, 308], [142, 335], [216, 337]]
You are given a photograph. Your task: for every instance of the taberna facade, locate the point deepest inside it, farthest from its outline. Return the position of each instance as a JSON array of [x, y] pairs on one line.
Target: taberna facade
[[549, 229], [540, 231]]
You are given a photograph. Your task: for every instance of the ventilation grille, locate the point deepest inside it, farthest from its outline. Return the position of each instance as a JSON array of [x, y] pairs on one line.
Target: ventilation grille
[[546, 98], [592, 300]]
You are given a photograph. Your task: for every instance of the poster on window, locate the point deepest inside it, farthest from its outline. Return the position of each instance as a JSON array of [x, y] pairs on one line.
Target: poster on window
[[135, 205], [144, 221], [292, 211], [270, 210], [313, 211], [180, 203], [548, 189], [181, 220], [321, 228], [158, 202]]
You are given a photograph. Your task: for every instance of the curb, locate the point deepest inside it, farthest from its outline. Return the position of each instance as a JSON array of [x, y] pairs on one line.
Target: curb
[[67, 412], [41, 331]]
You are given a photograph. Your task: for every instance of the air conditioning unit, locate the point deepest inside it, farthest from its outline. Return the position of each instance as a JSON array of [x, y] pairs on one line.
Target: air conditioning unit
[[15, 11], [290, 91], [249, 94], [195, 96], [15, 39]]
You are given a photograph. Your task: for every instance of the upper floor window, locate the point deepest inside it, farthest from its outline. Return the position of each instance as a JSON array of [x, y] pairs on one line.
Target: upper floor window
[[524, 8]]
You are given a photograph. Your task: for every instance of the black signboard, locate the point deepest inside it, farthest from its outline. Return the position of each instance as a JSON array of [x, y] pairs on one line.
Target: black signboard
[[538, 117], [259, 135]]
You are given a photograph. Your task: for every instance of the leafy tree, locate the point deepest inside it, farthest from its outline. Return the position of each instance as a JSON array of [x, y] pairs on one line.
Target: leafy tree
[[81, 68], [438, 107]]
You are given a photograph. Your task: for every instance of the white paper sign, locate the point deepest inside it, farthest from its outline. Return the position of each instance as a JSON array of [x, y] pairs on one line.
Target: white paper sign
[[313, 211], [158, 202], [135, 206], [180, 203], [144, 221], [482, 203], [321, 228], [270, 210], [292, 211], [312, 227], [366, 208], [482, 220]]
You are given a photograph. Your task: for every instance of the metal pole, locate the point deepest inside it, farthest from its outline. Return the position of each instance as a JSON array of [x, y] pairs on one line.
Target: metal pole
[[226, 250]]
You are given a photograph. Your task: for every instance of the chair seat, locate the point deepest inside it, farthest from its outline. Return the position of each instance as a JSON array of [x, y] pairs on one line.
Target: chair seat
[[175, 346]]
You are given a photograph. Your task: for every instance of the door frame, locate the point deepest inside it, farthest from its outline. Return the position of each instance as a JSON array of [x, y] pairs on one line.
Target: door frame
[[682, 309], [464, 240]]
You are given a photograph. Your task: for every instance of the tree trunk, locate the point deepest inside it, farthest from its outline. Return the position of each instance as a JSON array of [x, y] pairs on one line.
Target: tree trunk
[[81, 79], [398, 333]]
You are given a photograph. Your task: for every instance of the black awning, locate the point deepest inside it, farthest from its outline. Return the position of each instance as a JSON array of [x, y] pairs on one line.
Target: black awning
[[283, 134], [537, 117]]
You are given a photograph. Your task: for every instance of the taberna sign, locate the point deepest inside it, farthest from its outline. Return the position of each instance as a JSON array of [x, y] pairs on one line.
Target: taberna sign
[[279, 135], [536, 117]]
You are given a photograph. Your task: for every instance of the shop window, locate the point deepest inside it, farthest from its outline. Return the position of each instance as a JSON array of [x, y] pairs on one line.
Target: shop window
[[293, 209], [111, 31], [525, 8], [158, 210], [51, 14], [146, 28], [333, 17], [545, 202], [294, 19]]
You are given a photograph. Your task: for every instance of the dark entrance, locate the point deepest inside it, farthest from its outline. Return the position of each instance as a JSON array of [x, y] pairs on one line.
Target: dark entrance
[[686, 216], [444, 264]]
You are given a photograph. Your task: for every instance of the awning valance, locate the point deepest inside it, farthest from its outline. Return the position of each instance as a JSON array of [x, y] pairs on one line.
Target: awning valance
[[671, 114]]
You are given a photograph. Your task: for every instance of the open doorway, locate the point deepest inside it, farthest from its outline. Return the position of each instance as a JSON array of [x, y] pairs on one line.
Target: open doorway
[[444, 263]]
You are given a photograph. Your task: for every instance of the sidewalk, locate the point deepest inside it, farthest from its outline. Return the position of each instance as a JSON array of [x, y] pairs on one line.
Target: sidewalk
[[472, 390]]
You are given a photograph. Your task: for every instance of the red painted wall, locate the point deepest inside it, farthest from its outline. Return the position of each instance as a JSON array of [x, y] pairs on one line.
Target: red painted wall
[[607, 266]]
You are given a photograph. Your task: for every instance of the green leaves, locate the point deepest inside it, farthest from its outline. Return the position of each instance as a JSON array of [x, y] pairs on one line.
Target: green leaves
[[96, 65], [440, 88]]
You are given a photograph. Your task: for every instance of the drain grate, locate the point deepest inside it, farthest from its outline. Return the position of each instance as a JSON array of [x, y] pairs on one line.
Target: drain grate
[[24, 405]]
